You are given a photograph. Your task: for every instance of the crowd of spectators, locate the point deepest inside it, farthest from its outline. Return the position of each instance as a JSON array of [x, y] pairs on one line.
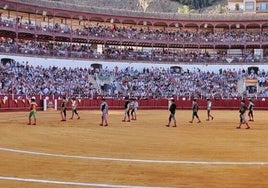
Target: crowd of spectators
[[23, 79], [67, 50], [135, 33], [159, 82], [132, 34], [147, 83]]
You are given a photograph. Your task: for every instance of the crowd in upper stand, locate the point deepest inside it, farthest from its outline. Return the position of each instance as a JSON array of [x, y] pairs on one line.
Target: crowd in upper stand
[[67, 50], [144, 33], [134, 34], [148, 33], [147, 83]]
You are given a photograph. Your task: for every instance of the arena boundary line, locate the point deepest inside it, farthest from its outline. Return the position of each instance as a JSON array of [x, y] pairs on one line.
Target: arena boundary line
[[135, 160], [72, 183]]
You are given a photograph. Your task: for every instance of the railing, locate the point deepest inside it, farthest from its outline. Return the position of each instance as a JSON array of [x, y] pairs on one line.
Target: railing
[[139, 58]]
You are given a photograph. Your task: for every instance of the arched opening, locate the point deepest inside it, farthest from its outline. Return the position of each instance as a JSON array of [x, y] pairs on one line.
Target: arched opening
[[7, 61]]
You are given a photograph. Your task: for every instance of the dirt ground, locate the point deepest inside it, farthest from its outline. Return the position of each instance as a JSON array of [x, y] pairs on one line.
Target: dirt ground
[[141, 153]]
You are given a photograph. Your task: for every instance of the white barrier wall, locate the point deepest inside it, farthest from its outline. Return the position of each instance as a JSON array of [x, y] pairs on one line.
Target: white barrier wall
[[70, 63]]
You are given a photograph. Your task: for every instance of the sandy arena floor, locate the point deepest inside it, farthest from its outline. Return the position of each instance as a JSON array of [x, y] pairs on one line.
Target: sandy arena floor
[[142, 153]]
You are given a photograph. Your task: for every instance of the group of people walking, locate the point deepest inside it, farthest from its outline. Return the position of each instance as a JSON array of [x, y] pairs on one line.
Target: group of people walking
[[242, 112], [130, 113], [131, 106], [195, 108], [63, 108]]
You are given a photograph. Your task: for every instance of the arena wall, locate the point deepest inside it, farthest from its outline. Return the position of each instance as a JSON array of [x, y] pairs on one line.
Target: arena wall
[[86, 104]]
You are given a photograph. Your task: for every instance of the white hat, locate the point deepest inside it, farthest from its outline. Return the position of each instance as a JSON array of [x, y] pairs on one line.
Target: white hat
[[33, 97]]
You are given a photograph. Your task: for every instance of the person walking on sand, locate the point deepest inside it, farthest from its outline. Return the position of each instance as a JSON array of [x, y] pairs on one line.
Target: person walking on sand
[[209, 104], [195, 109], [74, 108], [32, 113], [172, 110], [63, 108], [250, 110], [242, 112], [104, 110]]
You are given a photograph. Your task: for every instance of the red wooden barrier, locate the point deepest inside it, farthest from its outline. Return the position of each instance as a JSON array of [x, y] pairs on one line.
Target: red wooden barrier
[[183, 103]]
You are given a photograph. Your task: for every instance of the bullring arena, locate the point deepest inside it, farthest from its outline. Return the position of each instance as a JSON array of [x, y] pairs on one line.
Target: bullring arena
[[141, 153], [50, 50]]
